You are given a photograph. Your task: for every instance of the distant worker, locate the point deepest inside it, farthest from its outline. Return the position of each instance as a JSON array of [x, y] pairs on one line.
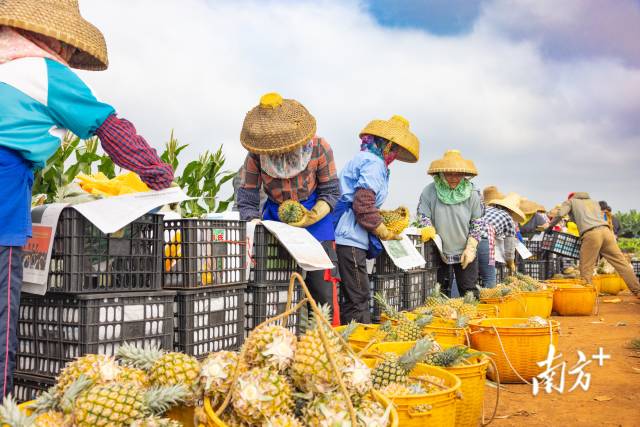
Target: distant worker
[[536, 219], [597, 239], [614, 223]]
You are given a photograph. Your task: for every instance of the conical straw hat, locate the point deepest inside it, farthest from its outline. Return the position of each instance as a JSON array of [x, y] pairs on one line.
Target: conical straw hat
[[396, 130], [491, 193], [511, 202], [452, 161], [61, 20], [277, 126], [529, 207]]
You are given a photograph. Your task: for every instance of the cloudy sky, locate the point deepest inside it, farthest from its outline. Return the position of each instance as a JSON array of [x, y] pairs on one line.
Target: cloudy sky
[[543, 95]]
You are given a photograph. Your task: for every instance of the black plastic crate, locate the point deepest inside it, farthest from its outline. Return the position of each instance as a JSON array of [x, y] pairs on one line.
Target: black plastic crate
[[430, 280], [563, 244], [271, 263], [29, 387], [84, 259], [537, 269], [560, 263], [56, 328], [413, 289], [266, 300], [390, 286], [201, 253], [636, 267], [208, 320], [535, 247], [501, 272], [384, 264]]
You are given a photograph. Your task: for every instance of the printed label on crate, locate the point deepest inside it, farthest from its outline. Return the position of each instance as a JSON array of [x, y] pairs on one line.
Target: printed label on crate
[[37, 252], [303, 247], [403, 253]]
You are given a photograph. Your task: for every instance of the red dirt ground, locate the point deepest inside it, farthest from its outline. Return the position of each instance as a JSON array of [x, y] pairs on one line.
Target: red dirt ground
[[613, 398]]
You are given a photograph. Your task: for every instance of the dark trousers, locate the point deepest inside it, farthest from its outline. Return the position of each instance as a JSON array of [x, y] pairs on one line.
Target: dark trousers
[[466, 279], [10, 285], [354, 289], [320, 288]]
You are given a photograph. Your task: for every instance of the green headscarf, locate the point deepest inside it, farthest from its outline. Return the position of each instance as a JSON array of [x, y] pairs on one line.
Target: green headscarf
[[452, 196]]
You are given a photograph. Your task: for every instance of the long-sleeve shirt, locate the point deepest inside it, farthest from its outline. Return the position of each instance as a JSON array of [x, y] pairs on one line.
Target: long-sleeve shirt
[[453, 223], [502, 225], [320, 176], [585, 212]]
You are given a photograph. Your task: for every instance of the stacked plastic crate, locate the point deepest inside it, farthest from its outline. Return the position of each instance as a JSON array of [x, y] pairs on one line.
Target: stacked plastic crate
[[268, 289], [205, 262], [103, 290]]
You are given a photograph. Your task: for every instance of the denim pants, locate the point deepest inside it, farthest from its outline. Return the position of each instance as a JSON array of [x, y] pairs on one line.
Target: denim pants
[[487, 272], [10, 286]]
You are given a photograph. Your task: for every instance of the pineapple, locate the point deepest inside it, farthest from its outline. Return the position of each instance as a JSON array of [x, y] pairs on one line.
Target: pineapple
[[120, 404], [394, 369], [452, 356], [357, 376], [434, 298], [372, 414], [164, 368], [469, 308], [291, 211], [397, 389], [154, 421], [396, 220], [270, 346], [217, 373], [282, 420], [406, 329], [97, 367], [327, 410], [11, 415], [52, 419], [260, 394], [311, 370], [134, 375], [231, 419], [455, 303], [444, 311]]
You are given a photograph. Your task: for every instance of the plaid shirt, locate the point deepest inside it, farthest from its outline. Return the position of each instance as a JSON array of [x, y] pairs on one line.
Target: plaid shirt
[[320, 175], [500, 221], [130, 151]]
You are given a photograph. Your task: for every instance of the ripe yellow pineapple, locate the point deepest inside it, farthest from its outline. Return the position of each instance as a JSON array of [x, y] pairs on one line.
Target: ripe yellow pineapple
[[356, 376], [396, 220], [327, 410], [260, 394], [154, 421], [270, 346], [98, 368], [396, 369], [372, 414], [134, 375], [291, 211], [282, 420], [217, 372]]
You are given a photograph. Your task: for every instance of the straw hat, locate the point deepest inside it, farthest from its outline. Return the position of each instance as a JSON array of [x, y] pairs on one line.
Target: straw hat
[[396, 130], [530, 207], [61, 20], [492, 193], [277, 126], [512, 202], [452, 161]]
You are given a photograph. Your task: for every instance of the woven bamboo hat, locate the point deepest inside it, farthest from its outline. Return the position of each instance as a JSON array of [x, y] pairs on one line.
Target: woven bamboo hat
[[277, 126], [512, 202], [61, 20], [396, 130], [452, 161], [491, 193], [529, 207]]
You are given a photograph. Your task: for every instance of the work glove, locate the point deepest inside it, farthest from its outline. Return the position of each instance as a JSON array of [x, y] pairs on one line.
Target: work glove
[[469, 253], [384, 234], [511, 266], [427, 233], [319, 211]]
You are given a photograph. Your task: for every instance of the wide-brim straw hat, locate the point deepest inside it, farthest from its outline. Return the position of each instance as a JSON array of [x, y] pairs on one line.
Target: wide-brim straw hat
[[60, 20], [452, 161], [396, 130], [529, 207], [276, 126], [491, 193], [512, 202]]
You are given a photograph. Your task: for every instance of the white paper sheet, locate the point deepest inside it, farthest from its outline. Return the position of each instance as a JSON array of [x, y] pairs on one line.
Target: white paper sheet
[[403, 253], [523, 251], [537, 237], [499, 250], [37, 252], [113, 213], [251, 234], [303, 247]]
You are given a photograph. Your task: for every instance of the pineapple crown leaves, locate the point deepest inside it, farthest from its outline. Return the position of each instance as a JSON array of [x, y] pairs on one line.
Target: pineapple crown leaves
[[423, 320], [416, 354], [325, 311], [349, 330], [470, 298], [160, 399], [139, 357], [51, 400], [451, 356], [386, 307], [462, 321], [12, 415]]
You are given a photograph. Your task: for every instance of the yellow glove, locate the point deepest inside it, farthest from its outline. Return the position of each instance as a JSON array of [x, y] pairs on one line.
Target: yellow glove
[[319, 211], [511, 266], [384, 234], [469, 253], [427, 233]]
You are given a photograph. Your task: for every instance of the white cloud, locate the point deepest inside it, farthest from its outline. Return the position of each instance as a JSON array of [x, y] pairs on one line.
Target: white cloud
[[534, 125]]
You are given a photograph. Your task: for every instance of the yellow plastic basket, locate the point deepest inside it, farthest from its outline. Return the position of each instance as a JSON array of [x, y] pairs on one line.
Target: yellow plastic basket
[[487, 310], [609, 283], [443, 331], [215, 421], [573, 300], [537, 303], [361, 336], [472, 377], [507, 306], [441, 405], [515, 351]]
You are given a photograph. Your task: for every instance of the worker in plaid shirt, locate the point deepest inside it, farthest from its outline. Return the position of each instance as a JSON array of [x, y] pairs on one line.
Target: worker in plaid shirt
[[289, 162], [500, 219]]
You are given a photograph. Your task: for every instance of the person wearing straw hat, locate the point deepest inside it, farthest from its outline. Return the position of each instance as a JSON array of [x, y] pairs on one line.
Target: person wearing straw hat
[[451, 207], [500, 216], [289, 162], [359, 227], [597, 239], [40, 99], [535, 220]]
